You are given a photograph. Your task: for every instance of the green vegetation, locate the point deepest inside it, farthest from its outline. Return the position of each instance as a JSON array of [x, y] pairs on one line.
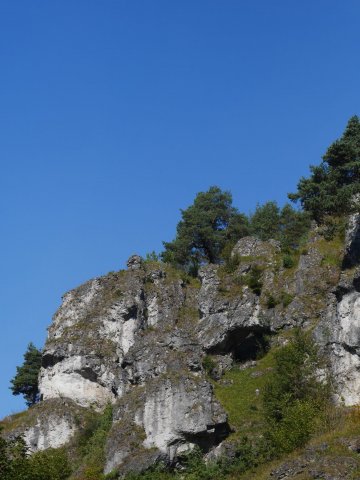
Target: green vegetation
[[91, 446], [271, 301], [16, 464], [211, 226], [289, 226], [237, 394], [274, 407], [333, 185], [295, 401], [288, 261], [208, 364], [206, 227], [25, 381], [253, 279]]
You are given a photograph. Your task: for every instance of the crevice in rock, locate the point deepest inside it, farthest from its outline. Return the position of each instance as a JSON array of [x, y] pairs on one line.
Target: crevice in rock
[[88, 374], [356, 283], [352, 257], [131, 313], [350, 349]]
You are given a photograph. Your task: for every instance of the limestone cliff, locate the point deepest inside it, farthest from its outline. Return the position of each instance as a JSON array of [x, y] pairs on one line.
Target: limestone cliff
[[139, 338]]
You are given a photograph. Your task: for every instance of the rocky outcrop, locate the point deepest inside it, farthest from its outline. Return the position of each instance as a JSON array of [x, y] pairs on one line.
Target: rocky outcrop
[[315, 463], [139, 339], [50, 424], [130, 338], [339, 330]]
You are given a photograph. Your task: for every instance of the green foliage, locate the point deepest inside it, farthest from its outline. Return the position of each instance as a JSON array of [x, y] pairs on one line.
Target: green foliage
[[295, 400], [92, 445], [287, 225], [264, 223], [271, 301], [208, 364], [253, 279], [286, 298], [333, 185], [293, 227], [152, 257], [195, 468], [231, 263], [25, 381], [206, 227], [51, 464], [288, 261], [16, 464]]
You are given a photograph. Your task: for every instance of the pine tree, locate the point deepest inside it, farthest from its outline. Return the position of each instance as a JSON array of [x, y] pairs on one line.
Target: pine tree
[[205, 228], [25, 381], [335, 183]]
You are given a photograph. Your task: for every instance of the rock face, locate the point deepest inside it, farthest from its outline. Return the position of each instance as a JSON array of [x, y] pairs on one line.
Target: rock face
[[139, 339], [339, 330], [50, 424], [130, 338]]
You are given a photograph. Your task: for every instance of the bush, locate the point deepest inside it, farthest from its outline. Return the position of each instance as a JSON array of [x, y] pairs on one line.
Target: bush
[[271, 301], [51, 464], [253, 279], [295, 401], [286, 298], [16, 464], [92, 445], [288, 261], [208, 364], [231, 263]]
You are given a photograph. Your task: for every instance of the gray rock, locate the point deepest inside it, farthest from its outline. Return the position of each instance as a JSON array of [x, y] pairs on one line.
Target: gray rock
[[134, 262], [130, 338], [339, 331], [49, 424], [254, 247]]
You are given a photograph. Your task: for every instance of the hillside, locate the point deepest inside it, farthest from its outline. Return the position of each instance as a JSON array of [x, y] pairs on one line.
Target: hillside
[[233, 354], [180, 359]]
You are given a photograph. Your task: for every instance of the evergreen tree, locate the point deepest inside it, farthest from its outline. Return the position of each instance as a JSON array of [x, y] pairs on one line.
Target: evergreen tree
[[206, 226], [25, 381], [334, 184], [293, 226], [265, 222]]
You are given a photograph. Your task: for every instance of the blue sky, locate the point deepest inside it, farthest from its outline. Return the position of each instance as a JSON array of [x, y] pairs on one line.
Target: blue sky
[[114, 114]]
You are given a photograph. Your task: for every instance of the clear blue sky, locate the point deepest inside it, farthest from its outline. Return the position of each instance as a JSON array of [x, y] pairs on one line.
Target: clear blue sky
[[114, 114]]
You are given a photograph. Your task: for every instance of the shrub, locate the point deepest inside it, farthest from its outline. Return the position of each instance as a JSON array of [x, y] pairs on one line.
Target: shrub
[[286, 298], [271, 301], [92, 443], [231, 263], [288, 261], [253, 279], [295, 401], [208, 364], [51, 464]]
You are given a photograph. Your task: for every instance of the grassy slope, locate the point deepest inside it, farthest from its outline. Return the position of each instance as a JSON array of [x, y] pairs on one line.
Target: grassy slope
[[237, 394]]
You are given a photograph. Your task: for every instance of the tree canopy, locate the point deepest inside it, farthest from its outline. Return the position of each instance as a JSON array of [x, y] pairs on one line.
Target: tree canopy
[[25, 382], [286, 225], [334, 184], [204, 230]]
